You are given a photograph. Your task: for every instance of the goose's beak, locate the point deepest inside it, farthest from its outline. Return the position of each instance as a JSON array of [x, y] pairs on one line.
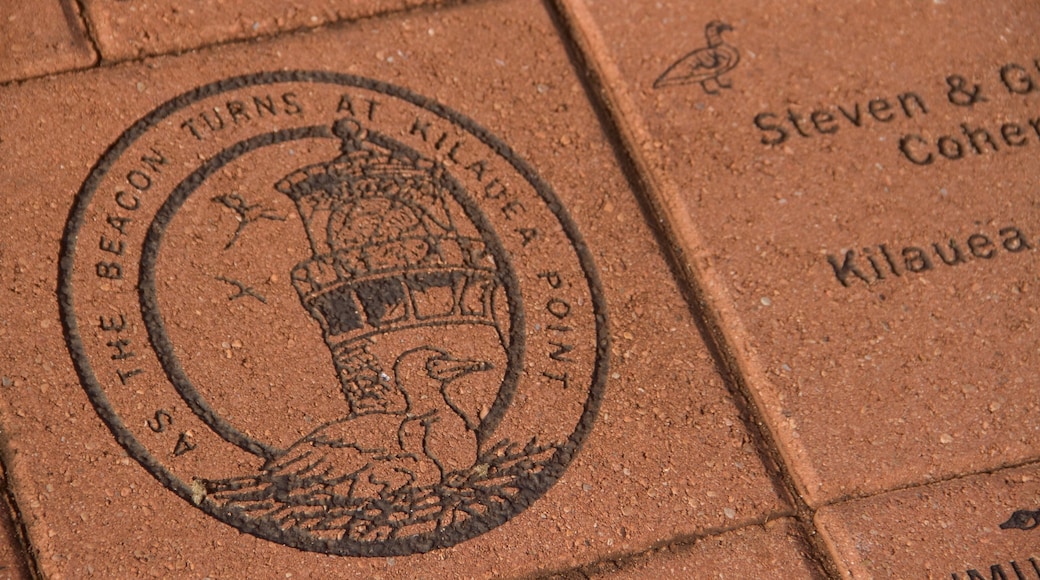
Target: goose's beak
[[447, 369]]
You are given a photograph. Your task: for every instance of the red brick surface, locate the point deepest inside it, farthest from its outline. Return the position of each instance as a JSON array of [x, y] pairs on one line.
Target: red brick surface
[[917, 374], [41, 38], [130, 28], [945, 530], [12, 559], [775, 549]]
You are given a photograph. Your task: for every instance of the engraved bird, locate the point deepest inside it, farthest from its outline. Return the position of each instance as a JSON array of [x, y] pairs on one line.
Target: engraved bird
[[245, 213], [704, 65], [332, 478], [1022, 520]]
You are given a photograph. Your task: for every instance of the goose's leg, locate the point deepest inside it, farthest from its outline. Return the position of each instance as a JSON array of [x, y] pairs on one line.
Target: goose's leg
[[726, 84], [450, 443], [710, 86]]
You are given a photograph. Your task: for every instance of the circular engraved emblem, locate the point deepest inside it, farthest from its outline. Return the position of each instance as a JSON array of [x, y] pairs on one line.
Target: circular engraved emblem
[[333, 313]]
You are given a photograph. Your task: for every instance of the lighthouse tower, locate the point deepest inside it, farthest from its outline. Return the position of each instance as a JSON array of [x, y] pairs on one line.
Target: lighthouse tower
[[397, 263]]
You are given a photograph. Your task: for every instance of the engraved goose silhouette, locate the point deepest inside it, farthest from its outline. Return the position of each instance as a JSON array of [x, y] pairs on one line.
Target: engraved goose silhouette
[[394, 455], [430, 426], [1022, 520], [704, 65]]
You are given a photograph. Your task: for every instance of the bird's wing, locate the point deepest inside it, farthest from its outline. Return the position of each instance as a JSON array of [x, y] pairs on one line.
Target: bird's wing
[[334, 485], [342, 460], [693, 67], [729, 57]]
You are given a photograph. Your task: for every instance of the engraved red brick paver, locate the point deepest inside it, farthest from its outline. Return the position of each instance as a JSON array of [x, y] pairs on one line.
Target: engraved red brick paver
[[978, 527], [253, 294], [127, 29], [40, 38], [855, 191], [773, 550], [668, 454]]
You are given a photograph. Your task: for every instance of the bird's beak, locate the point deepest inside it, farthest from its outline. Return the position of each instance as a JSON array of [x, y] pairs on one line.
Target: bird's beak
[[447, 369]]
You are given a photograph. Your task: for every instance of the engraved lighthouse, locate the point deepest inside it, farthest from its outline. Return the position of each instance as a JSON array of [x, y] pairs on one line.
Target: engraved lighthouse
[[399, 261]]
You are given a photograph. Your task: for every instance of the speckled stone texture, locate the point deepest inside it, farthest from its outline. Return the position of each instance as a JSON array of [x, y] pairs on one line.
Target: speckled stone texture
[[128, 29], [41, 38], [753, 552], [980, 526], [13, 563]]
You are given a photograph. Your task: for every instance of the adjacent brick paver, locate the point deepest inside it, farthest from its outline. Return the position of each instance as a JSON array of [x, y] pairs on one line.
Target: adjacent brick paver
[[136, 28], [773, 550], [41, 38], [947, 530], [808, 186]]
